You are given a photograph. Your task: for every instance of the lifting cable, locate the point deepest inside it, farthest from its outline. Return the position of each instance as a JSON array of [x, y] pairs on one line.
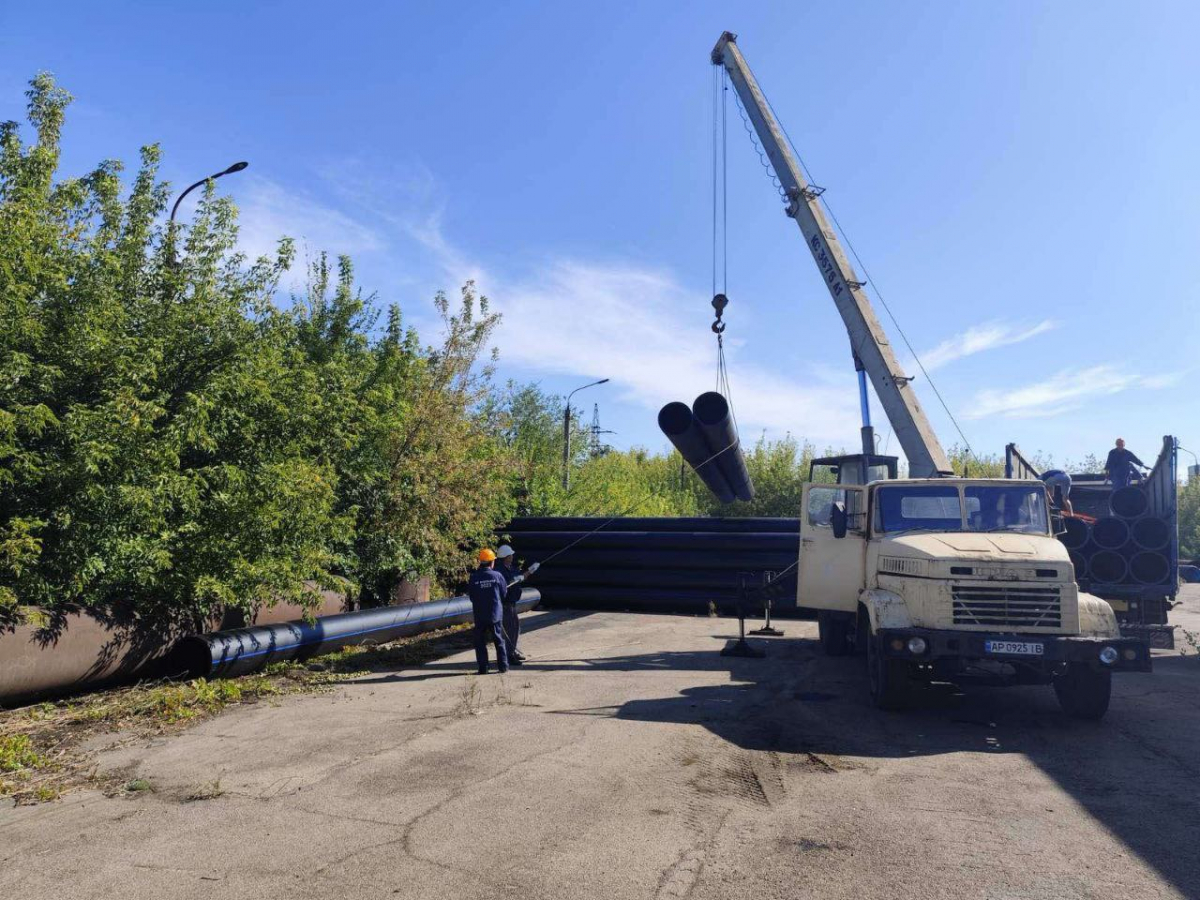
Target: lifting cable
[[720, 211]]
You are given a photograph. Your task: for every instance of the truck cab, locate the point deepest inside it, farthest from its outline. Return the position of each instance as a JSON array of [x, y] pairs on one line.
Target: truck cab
[[955, 578]]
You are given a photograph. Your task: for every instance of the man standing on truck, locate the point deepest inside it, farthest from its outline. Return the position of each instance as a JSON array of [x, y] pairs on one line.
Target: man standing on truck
[[1058, 486], [1119, 467]]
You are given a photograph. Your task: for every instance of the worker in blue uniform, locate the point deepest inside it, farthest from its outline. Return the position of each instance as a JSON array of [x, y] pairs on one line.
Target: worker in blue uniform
[[1119, 467], [486, 589], [507, 566], [1058, 486]]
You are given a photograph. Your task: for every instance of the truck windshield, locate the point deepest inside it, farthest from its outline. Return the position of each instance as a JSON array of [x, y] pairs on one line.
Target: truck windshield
[[925, 507], [995, 508], [941, 508]]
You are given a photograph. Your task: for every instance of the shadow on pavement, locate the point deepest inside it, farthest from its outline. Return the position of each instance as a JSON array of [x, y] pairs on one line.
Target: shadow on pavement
[[1136, 771]]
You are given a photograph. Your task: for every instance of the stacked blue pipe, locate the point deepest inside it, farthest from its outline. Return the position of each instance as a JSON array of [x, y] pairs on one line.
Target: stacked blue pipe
[[691, 565]]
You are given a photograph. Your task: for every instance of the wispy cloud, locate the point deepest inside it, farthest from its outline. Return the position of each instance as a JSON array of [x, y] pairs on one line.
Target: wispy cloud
[[639, 327], [983, 337], [268, 211], [1064, 391]]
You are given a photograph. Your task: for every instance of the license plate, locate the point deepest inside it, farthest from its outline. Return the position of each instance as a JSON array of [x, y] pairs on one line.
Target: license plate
[[1015, 648]]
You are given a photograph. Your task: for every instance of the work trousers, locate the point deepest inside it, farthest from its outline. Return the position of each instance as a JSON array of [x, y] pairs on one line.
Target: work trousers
[[512, 628], [1122, 477], [494, 632]]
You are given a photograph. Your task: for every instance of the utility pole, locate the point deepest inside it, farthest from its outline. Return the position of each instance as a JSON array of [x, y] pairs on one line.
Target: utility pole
[[566, 475]]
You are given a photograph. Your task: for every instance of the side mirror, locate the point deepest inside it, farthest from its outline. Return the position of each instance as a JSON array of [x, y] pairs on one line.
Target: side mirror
[[837, 519]]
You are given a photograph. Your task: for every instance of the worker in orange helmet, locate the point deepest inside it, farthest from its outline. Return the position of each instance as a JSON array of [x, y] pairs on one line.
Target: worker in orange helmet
[[486, 589]]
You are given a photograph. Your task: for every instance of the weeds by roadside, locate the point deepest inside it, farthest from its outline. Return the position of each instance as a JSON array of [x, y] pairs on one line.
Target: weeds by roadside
[[1192, 640], [42, 746]]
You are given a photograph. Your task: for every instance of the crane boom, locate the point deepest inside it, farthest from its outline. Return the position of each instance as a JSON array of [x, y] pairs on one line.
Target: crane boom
[[869, 342]]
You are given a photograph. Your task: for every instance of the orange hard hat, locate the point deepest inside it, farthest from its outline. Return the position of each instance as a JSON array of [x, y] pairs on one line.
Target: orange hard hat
[[486, 555]]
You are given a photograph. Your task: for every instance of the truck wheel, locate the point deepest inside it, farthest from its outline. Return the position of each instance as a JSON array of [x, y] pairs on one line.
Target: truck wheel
[[833, 632], [888, 677], [1083, 692]]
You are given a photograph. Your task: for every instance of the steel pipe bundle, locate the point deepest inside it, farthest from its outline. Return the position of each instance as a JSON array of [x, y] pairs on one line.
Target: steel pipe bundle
[[1150, 533], [708, 442], [1076, 534], [1110, 533], [225, 654], [1129, 502], [1079, 562], [647, 564], [1107, 567], [1148, 567]]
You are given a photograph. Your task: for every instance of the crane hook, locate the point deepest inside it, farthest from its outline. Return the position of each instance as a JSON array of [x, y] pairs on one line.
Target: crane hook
[[719, 302]]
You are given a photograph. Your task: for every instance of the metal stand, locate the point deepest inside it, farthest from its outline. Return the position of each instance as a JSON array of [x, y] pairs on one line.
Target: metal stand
[[767, 630], [740, 647]]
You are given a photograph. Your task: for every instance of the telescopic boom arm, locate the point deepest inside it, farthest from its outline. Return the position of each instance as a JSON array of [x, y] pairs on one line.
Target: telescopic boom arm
[[926, 459]]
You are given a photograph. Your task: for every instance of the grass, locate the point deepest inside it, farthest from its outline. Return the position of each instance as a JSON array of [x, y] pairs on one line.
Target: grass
[[42, 746]]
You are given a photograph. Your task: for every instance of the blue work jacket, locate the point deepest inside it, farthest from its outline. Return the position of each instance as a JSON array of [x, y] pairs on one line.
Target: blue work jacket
[[486, 589]]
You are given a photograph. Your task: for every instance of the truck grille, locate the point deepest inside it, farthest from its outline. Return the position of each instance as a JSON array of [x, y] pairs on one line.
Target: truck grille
[[1007, 606]]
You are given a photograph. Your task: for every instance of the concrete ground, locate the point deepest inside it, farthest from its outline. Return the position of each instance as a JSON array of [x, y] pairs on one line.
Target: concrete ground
[[629, 760]]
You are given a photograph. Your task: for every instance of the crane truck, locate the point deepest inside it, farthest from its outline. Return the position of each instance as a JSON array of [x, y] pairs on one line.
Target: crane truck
[[931, 576]]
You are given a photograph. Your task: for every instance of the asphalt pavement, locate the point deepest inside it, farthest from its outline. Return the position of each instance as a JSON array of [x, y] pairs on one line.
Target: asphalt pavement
[[628, 759]]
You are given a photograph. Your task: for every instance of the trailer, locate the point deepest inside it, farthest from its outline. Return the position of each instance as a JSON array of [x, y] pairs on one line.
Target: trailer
[[1124, 544]]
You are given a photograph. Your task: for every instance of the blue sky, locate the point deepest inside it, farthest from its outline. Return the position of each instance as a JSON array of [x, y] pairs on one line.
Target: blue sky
[[1019, 178]]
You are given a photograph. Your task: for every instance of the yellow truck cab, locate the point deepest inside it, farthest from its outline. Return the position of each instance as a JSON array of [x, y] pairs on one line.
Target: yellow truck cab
[[951, 579]]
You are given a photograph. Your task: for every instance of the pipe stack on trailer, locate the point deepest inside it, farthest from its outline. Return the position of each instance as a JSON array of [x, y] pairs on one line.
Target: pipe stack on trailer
[[656, 564], [1130, 554]]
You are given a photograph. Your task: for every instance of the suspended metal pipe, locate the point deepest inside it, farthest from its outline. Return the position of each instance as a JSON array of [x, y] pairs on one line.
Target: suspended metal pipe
[[683, 431], [225, 654], [711, 412]]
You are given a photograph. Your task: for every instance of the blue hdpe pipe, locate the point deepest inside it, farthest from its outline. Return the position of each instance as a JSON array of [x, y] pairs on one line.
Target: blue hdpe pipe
[[241, 651]]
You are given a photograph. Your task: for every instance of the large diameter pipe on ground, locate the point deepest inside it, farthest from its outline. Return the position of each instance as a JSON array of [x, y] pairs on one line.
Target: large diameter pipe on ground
[[1107, 567], [1129, 502], [711, 411], [226, 654], [548, 541], [1149, 567], [681, 429], [722, 524], [1110, 533], [1076, 533], [1150, 533], [77, 652]]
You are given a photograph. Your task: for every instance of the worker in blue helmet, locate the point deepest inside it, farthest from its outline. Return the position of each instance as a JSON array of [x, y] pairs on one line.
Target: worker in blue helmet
[[486, 589], [507, 566]]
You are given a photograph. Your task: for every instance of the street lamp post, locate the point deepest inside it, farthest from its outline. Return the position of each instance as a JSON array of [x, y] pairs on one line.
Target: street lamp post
[[236, 167], [566, 479]]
